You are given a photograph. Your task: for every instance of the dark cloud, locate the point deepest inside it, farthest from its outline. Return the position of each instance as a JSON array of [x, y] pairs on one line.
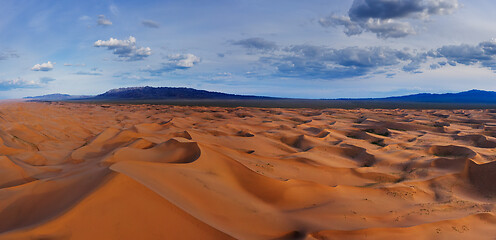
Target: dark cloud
[[382, 17], [382, 28], [483, 53], [125, 49], [384, 9], [320, 62], [256, 44], [350, 28], [309, 61], [150, 24], [175, 62]]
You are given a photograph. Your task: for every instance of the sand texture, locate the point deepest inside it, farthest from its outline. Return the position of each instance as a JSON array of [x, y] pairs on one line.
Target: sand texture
[[92, 171]]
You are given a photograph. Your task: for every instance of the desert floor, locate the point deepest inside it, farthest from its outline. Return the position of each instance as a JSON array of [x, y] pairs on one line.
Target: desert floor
[[88, 171]]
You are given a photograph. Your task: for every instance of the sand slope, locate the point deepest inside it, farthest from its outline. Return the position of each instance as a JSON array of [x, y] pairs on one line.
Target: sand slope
[[85, 171]]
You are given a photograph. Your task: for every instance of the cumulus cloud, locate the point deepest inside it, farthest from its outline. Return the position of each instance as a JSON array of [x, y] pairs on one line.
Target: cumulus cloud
[[309, 61], [125, 49], [150, 24], [103, 21], [10, 84], [256, 44], [48, 66], [183, 60], [388, 18], [483, 53], [175, 62], [321, 62]]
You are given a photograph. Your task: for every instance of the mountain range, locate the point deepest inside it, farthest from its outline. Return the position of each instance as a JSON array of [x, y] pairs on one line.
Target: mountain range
[[181, 93]]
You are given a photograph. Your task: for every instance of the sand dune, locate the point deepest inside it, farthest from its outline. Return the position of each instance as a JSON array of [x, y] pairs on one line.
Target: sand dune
[[86, 171]]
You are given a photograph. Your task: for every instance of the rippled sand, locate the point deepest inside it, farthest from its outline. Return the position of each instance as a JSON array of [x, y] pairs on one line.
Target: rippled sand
[[85, 171]]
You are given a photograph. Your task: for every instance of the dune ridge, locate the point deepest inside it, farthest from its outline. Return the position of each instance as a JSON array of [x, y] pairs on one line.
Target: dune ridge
[[89, 171]]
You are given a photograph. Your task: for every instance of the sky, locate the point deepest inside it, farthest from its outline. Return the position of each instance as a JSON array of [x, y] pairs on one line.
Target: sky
[[283, 48]]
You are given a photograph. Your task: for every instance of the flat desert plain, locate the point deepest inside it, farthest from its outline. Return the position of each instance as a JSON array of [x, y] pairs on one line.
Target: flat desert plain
[[92, 171]]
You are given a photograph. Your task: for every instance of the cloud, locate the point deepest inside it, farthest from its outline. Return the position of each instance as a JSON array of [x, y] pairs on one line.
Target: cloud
[[130, 76], [74, 64], [318, 62], [8, 54], [388, 18], [350, 28], [394, 9], [183, 60], [125, 49], [150, 24], [46, 80], [48, 66], [88, 73], [256, 44], [483, 53], [175, 62], [114, 9], [93, 72], [103, 21], [84, 18], [6, 85]]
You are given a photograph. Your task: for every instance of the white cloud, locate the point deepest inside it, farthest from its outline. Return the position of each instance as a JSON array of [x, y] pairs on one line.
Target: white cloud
[[103, 21], [6, 85], [184, 60], [125, 49], [48, 66], [176, 62]]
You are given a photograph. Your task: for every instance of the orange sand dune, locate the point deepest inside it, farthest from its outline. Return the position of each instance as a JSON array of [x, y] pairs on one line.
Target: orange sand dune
[[85, 171]]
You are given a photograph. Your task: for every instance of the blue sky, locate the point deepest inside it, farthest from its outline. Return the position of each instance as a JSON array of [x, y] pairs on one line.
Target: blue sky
[[310, 49]]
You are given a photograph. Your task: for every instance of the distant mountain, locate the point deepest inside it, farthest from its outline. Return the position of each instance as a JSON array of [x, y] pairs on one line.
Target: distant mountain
[[156, 93], [56, 97], [472, 96]]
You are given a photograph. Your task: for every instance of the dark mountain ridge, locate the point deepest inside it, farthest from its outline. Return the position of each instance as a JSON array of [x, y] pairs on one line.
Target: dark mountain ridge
[[169, 93], [182, 93], [471, 96]]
